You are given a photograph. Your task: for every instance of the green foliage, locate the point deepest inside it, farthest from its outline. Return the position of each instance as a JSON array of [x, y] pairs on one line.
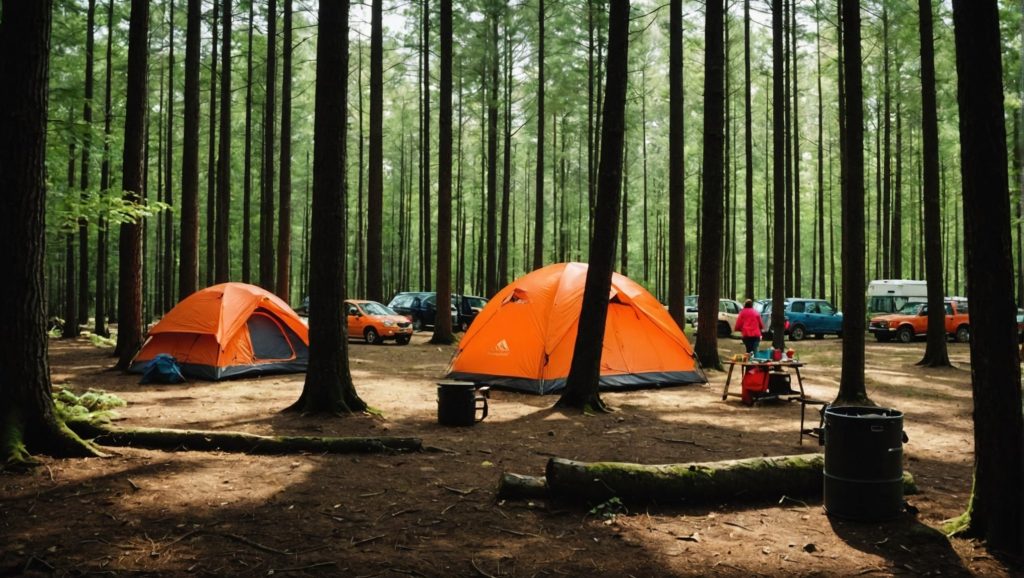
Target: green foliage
[[93, 406], [609, 509]]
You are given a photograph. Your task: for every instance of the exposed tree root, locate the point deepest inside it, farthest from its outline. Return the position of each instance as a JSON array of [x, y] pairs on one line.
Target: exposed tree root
[[196, 440]]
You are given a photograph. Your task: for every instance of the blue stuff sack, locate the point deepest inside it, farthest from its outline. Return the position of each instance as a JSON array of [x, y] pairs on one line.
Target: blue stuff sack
[[162, 369]]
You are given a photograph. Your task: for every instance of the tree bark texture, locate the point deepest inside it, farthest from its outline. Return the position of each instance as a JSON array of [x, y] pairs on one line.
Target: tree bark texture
[[851, 384], [83, 223], [284, 215], [27, 414], [676, 168], [129, 327], [778, 320], [267, 190], [585, 370], [996, 509], [328, 387], [375, 199], [538, 209], [222, 254], [935, 353], [443, 323], [712, 217], [188, 267]]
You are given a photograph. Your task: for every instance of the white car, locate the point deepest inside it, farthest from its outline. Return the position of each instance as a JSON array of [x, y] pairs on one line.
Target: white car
[[728, 312]]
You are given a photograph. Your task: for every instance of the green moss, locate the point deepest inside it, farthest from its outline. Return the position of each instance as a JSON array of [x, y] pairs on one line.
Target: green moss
[[92, 406]]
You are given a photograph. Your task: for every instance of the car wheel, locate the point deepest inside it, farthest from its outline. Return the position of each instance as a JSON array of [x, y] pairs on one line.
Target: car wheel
[[417, 324], [797, 333], [402, 340], [723, 329], [905, 334], [371, 336], [963, 334], [883, 337]]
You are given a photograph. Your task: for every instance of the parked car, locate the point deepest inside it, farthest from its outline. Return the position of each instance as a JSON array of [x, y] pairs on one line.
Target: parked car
[[690, 309], [421, 308], [728, 312], [764, 308], [468, 307], [812, 317], [912, 321], [375, 323], [806, 317]]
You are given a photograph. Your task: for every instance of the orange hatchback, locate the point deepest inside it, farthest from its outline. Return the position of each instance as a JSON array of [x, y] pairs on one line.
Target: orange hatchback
[[374, 322]]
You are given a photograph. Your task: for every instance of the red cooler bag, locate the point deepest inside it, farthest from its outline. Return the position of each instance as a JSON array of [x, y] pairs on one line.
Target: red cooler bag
[[755, 382]]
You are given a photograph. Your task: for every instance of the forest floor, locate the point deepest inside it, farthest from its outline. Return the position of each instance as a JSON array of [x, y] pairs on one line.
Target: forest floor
[[436, 513]]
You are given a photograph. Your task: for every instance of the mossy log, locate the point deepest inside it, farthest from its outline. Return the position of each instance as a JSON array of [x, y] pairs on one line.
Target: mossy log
[[746, 479], [520, 487], [198, 440]]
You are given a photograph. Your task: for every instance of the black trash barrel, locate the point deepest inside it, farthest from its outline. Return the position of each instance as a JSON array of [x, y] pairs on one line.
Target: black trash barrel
[[458, 402], [863, 463]]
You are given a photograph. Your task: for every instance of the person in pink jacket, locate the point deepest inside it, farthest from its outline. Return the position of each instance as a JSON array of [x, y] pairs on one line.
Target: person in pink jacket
[[750, 326]]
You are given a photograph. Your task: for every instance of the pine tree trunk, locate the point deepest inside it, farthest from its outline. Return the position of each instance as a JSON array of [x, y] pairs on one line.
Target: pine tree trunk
[[538, 222], [375, 199], [443, 323], [426, 214], [713, 171], [70, 329], [896, 225], [887, 151], [851, 385], [168, 264], [27, 412], [676, 168], [211, 158], [222, 254], [328, 387], [188, 268], [102, 233], [491, 273], [267, 190], [795, 66], [787, 147], [83, 223], [284, 215], [581, 388], [129, 319], [247, 161], [748, 153], [778, 179], [506, 173], [821, 159], [935, 354], [996, 508]]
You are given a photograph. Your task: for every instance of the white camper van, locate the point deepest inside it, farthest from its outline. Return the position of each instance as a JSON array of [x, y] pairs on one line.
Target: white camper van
[[889, 295]]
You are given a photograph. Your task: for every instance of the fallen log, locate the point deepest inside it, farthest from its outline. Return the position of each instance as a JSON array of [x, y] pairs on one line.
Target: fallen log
[[198, 440], [748, 479], [520, 487]]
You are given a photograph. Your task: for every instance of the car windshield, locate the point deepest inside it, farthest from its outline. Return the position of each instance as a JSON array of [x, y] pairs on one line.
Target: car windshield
[[911, 309], [374, 308]]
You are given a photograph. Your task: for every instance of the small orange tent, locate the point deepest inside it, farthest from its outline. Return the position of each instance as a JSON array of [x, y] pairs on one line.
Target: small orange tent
[[524, 338], [229, 330]]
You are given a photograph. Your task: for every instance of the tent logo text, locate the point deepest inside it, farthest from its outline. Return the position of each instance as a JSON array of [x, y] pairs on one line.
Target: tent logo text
[[500, 348]]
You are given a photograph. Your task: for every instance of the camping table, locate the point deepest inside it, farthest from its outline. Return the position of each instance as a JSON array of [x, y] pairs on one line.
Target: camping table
[[800, 396]]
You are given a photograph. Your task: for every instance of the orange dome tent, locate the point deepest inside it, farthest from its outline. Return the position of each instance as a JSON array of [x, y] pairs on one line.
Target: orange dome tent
[[524, 338], [229, 330]]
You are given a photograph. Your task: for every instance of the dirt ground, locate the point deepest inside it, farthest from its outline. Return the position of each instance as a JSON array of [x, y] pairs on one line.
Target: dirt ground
[[435, 513]]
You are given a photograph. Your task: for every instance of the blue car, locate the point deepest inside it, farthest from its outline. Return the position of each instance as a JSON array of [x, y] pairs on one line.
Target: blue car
[[812, 317]]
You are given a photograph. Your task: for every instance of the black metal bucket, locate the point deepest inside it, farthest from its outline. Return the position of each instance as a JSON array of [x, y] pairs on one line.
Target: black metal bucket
[[863, 462], [458, 403]]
